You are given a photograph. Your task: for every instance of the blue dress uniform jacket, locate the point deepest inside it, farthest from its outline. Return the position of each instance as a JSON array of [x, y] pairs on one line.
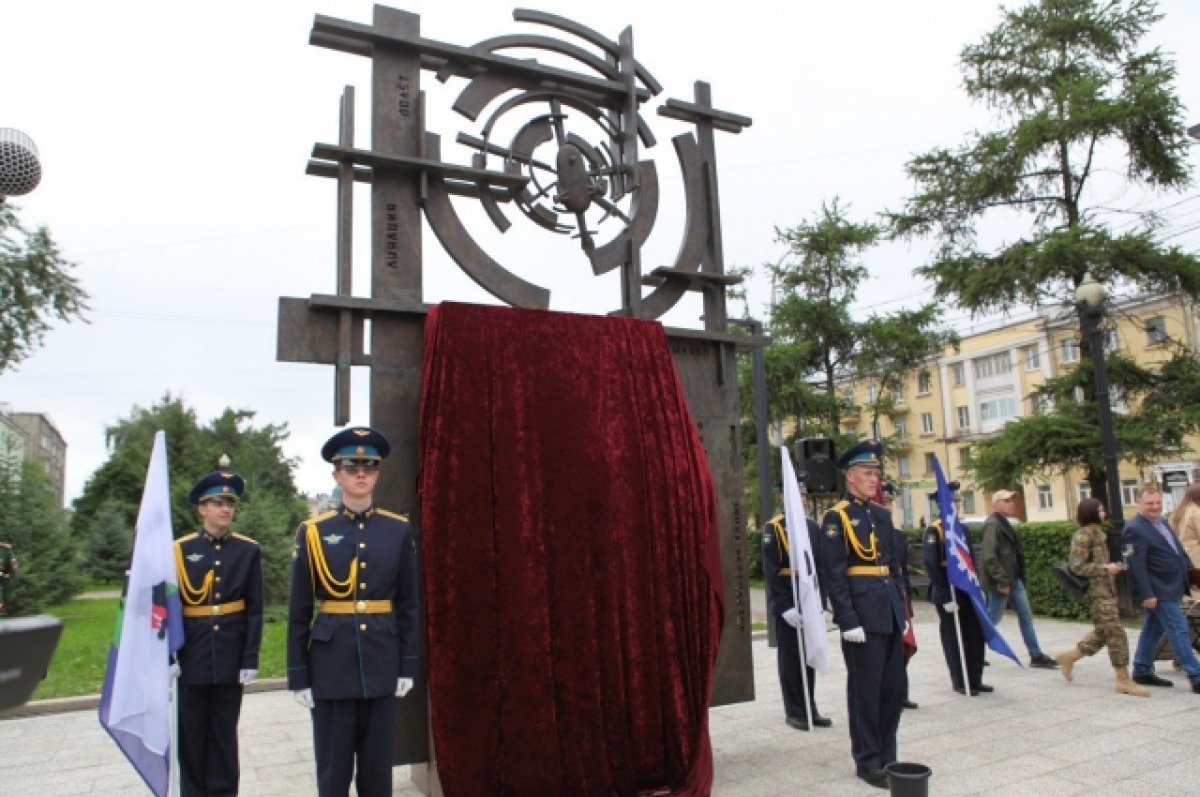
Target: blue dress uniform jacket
[[872, 604], [219, 572], [344, 556], [862, 568]]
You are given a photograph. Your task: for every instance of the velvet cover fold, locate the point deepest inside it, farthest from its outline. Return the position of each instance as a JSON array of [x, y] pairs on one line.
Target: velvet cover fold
[[570, 557]]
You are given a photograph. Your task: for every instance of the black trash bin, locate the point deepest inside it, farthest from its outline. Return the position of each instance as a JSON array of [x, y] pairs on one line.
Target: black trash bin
[[908, 780]]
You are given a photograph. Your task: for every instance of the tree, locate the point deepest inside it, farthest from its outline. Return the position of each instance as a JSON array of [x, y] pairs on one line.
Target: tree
[[109, 544], [36, 527], [36, 285], [818, 344], [1074, 92], [270, 510]]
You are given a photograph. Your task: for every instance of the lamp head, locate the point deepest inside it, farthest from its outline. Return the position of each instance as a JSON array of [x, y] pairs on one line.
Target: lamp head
[[20, 169], [1090, 293]]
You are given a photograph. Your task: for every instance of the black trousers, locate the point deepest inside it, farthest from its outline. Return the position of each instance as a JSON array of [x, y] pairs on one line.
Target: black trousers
[[208, 741], [350, 735], [973, 642], [875, 685], [788, 661]]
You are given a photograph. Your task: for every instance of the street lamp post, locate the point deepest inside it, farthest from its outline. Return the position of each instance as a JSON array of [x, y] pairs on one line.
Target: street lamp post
[[1090, 296]]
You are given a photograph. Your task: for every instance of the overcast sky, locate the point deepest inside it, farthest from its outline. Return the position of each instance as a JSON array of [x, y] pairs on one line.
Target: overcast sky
[[174, 139]]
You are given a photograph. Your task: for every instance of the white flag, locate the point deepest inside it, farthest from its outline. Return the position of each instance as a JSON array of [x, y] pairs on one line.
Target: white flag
[[135, 702], [805, 588]]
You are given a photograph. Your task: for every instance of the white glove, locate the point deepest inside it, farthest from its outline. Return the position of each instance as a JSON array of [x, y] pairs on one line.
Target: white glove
[[792, 617], [176, 670], [905, 631], [246, 676], [855, 635], [950, 607], [403, 686], [304, 697]]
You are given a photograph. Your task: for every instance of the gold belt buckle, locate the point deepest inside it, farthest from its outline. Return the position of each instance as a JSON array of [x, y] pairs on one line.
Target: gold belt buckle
[[216, 609], [360, 607]]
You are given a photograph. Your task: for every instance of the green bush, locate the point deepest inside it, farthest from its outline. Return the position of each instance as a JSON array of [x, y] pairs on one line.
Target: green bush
[[1046, 543]]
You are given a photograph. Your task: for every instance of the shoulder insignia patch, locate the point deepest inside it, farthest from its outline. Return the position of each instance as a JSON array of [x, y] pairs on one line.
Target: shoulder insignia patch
[[195, 557], [832, 530], [332, 539]]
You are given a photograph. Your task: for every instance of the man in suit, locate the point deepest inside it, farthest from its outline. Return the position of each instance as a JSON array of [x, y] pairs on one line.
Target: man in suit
[[221, 588], [352, 631], [1002, 574], [861, 564], [781, 603], [948, 601], [1158, 569]]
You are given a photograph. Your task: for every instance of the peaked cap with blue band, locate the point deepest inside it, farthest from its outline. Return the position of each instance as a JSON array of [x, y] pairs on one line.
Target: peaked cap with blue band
[[864, 452], [951, 486], [219, 483], [356, 442]]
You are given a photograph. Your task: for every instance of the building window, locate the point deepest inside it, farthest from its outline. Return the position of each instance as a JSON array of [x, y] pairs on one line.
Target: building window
[[1111, 342], [1033, 360], [901, 428], [964, 417], [959, 373], [1068, 350], [968, 499], [1156, 330], [998, 409], [993, 365], [902, 466], [929, 462], [1045, 497], [964, 458], [1085, 491], [1037, 404], [872, 394], [924, 383], [1129, 491], [926, 423]]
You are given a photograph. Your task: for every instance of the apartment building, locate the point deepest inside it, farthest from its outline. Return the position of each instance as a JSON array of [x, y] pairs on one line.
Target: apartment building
[[42, 443], [963, 397]]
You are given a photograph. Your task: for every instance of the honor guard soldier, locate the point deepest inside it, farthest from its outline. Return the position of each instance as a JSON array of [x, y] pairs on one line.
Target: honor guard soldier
[[221, 587], [862, 572], [8, 571], [948, 601], [352, 621], [781, 603]]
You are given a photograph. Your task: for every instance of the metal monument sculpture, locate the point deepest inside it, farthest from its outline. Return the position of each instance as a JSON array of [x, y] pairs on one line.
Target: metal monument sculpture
[[562, 152]]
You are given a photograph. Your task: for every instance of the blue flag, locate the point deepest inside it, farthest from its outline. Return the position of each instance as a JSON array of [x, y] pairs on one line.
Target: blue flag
[[960, 567], [135, 702]]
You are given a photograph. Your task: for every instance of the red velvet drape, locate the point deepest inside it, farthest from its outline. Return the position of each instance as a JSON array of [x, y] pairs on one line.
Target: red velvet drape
[[571, 565]]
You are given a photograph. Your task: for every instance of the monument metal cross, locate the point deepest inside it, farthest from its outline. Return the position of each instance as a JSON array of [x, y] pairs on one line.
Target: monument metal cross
[[560, 182]]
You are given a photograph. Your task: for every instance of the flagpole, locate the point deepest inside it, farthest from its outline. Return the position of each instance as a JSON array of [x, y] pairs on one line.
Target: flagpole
[[173, 698], [962, 653], [800, 639]]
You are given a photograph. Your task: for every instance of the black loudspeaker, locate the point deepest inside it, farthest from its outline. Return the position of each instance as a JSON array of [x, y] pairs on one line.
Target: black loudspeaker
[[815, 455]]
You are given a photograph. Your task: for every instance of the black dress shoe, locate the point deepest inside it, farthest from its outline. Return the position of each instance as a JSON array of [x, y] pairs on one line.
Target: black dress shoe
[[982, 688], [1196, 687], [822, 722], [1150, 679], [909, 704], [876, 777], [1044, 662], [799, 723], [974, 691]]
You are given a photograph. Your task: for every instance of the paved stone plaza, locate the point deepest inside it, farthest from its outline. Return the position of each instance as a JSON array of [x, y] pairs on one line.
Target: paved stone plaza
[[1036, 735]]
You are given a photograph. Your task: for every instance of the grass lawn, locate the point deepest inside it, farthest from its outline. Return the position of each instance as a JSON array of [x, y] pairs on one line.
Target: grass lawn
[[78, 664]]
